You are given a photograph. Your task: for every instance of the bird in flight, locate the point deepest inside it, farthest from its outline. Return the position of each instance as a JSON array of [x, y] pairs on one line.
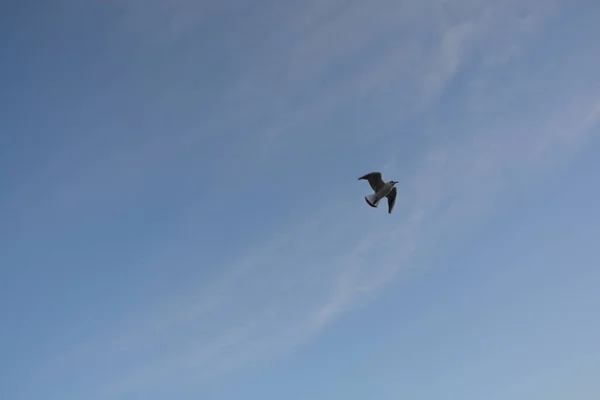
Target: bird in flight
[[382, 189]]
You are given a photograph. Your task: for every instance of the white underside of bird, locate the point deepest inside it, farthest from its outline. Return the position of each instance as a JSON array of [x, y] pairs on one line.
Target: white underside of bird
[[374, 199]]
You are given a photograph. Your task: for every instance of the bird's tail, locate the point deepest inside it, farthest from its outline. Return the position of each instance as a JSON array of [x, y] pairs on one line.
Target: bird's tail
[[372, 200]]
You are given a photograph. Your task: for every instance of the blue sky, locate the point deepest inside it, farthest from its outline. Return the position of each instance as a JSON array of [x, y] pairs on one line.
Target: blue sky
[[181, 216]]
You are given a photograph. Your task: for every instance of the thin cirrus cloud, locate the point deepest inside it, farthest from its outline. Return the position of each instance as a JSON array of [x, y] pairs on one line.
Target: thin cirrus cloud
[[282, 293]]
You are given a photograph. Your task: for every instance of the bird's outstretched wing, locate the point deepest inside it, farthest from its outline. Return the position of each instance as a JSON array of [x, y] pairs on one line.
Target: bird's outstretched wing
[[391, 197], [374, 179]]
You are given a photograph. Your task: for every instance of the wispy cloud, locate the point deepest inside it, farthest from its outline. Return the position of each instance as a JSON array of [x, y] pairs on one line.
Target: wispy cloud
[[281, 295], [284, 292]]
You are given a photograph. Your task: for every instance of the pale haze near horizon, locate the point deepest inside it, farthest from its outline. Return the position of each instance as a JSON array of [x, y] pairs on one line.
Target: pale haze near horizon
[[181, 216]]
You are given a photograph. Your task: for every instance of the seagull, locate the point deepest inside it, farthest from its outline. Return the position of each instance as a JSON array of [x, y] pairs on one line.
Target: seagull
[[382, 189]]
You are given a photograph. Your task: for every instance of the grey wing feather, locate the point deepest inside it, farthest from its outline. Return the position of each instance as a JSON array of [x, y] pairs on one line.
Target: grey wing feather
[[391, 197], [374, 179]]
